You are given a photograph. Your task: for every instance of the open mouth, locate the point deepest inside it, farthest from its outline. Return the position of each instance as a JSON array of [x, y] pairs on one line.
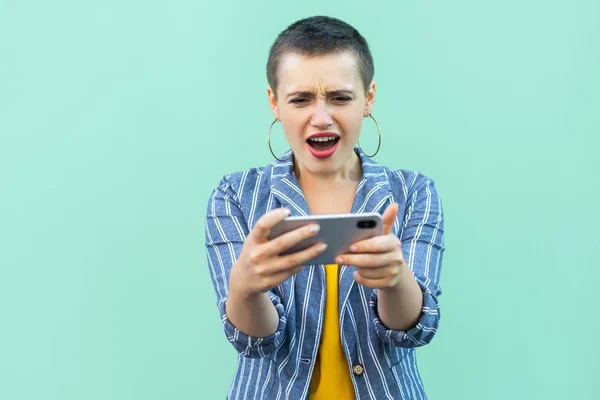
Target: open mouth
[[323, 143]]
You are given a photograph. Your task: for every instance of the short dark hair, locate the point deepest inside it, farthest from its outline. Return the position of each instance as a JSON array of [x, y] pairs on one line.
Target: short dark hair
[[320, 36]]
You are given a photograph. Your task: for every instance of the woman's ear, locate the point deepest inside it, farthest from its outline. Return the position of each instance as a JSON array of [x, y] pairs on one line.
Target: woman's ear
[[273, 102], [370, 99]]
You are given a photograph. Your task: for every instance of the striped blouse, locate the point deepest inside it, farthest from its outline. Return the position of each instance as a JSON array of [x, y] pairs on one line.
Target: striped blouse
[[382, 362]]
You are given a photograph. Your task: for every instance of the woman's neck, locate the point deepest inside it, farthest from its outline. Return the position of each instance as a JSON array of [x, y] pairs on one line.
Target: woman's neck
[[351, 172]]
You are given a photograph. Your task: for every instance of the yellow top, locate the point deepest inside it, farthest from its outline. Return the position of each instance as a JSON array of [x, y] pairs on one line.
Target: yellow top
[[331, 377]]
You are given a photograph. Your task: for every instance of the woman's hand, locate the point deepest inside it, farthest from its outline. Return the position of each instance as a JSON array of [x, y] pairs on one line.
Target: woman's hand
[[380, 265], [379, 261], [260, 267]]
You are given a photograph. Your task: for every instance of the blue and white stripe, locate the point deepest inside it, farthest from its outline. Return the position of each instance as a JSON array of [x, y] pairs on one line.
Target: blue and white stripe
[[280, 366]]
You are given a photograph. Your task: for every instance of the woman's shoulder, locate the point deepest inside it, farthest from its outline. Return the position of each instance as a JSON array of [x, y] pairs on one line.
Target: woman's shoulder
[[236, 183], [407, 180]]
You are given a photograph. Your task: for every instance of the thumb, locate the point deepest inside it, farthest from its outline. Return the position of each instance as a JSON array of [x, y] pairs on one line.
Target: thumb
[[389, 216]]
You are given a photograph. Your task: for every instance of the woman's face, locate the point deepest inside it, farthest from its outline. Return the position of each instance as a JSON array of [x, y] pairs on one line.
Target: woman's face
[[321, 103]]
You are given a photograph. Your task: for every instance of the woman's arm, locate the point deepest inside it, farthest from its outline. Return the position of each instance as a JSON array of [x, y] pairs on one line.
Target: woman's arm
[[399, 307], [404, 269], [408, 315], [255, 315], [246, 266]]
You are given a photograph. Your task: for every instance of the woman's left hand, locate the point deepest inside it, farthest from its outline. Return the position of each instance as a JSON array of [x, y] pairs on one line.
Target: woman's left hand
[[379, 261]]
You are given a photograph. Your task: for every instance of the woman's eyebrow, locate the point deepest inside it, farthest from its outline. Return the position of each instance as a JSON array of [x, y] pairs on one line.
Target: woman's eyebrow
[[305, 93], [308, 93], [340, 92]]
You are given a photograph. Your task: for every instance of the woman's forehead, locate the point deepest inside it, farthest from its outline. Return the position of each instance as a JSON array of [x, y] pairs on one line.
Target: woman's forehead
[[324, 73]]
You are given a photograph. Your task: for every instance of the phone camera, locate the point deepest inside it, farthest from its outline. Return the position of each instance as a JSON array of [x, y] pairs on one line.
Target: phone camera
[[366, 224]]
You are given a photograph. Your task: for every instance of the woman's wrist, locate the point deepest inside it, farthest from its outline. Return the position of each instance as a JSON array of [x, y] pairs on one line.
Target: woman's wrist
[[399, 307], [406, 280]]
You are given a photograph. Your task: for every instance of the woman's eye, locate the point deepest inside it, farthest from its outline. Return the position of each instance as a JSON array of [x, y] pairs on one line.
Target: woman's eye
[[299, 101], [341, 99]]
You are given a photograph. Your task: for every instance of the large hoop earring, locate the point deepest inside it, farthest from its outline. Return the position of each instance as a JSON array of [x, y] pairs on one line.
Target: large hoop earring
[[270, 148], [378, 139]]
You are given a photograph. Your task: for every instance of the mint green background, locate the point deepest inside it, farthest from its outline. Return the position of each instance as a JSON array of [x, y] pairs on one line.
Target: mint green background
[[118, 118]]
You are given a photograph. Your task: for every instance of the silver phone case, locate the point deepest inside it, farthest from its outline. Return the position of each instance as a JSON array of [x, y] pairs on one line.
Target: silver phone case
[[339, 231]]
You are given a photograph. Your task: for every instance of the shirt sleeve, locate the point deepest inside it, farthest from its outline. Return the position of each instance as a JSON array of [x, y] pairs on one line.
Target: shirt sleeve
[[226, 230], [422, 237]]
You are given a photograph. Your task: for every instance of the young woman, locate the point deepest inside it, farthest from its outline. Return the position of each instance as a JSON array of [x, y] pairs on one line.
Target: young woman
[[341, 331]]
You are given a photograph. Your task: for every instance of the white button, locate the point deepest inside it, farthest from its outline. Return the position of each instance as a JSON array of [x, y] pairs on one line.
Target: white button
[[358, 369]]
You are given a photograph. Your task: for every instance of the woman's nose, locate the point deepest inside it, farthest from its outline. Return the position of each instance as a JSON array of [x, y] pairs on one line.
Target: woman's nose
[[321, 116]]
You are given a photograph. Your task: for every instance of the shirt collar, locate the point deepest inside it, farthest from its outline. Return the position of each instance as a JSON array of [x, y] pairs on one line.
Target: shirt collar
[[372, 194]]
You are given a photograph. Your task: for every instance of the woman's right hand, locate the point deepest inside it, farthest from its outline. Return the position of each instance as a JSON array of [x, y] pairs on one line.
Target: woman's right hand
[[260, 267]]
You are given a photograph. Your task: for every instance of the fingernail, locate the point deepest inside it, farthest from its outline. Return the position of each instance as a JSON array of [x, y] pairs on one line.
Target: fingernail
[[339, 260], [353, 248], [287, 211], [314, 228], [323, 247]]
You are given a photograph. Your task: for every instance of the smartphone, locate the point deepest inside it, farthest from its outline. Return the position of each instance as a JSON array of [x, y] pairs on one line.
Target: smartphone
[[338, 231]]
